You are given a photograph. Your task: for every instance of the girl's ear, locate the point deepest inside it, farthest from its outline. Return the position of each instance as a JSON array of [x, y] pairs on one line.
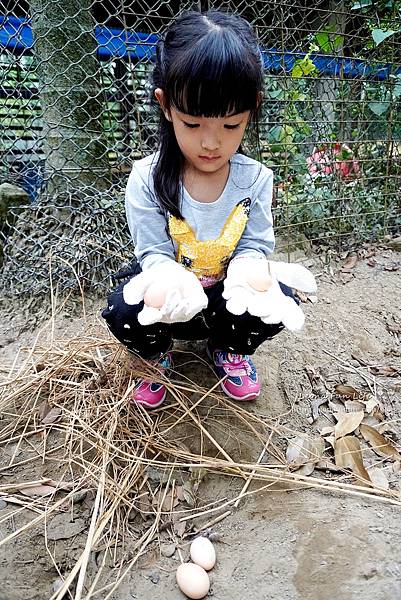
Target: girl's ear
[[159, 95]]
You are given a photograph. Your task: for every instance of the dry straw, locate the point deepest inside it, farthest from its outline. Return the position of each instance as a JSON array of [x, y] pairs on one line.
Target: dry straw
[[68, 403]]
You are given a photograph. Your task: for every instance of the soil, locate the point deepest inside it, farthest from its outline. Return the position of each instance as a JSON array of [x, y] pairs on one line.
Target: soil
[[282, 543]]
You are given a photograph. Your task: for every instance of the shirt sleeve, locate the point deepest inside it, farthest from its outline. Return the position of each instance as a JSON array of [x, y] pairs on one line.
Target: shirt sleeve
[[258, 240], [146, 222]]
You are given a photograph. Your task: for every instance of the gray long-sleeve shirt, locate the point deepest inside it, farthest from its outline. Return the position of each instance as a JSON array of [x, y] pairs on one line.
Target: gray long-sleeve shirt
[[239, 222]]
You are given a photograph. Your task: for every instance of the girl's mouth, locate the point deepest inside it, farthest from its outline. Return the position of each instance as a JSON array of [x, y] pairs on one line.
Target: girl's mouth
[[209, 158]]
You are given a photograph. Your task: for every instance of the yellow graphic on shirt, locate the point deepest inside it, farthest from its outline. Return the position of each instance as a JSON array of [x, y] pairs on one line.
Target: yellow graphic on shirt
[[208, 259]]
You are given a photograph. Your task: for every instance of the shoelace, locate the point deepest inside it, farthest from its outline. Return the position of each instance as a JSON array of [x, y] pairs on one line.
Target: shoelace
[[236, 364]]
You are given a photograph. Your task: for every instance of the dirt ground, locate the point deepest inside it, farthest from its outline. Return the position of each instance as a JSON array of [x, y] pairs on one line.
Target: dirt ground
[[283, 543]]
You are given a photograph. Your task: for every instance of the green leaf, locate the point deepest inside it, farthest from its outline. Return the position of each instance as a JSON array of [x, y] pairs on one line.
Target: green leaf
[[379, 108], [274, 94], [379, 35], [302, 68], [328, 41]]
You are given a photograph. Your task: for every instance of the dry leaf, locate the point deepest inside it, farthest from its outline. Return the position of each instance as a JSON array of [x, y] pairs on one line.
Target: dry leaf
[[306, 469], [303, 450], [331, 440], [384, 371], [189, 494], [326, 430], [350, 263], [143, 505], [180, 493], [354, 406], [326, 465], [346, 390], [379, 478], [166, 502], [379, 443], [315, 404], [51, 416], [336, 406], [397, 466], [347, 423], [370, 404], [179, 528], [38, 490], [348, 454]]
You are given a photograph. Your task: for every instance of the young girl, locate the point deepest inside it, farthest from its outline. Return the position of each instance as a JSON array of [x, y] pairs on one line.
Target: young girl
[[199, 212]]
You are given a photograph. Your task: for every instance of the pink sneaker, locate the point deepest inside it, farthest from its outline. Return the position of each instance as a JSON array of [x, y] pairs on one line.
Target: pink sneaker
[[241, 382], [148, 393]]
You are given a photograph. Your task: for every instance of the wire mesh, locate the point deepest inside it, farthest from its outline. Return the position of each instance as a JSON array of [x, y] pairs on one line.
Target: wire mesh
[[75, 112]]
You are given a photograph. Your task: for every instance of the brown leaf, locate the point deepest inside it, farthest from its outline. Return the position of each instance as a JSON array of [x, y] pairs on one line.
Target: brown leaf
[[348, 454], [51, 416], [379, 478], [346, 390], [354, 406], [384, 371], [328, 430], [304, 450], [347, 423], [179, 528], [189, 494], [38, 490], [326, 465], [180, 493], [143, 505], [306, 469], [350, 262], [379, 443]]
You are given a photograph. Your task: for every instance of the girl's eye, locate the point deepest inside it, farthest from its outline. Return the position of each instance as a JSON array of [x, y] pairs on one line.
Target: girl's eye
[[191, 125], [232, 126]]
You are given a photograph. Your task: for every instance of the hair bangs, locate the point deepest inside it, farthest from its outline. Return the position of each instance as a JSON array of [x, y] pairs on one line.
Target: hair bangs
[[215, 78]]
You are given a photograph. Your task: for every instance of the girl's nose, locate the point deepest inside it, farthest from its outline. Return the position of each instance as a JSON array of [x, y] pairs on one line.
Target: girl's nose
[[210, 142]]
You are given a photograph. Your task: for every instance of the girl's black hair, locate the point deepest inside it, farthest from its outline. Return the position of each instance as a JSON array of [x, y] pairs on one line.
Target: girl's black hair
[[209, 65]]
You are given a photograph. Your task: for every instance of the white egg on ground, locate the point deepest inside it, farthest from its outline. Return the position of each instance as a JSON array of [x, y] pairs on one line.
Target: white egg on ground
[[193, 581], [203, 553]]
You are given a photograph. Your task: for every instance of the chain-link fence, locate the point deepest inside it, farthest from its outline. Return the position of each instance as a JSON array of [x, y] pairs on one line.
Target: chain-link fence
[[75, 112]]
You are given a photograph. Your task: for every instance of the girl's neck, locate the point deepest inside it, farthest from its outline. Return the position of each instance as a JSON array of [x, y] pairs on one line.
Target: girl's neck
[[205, 187]]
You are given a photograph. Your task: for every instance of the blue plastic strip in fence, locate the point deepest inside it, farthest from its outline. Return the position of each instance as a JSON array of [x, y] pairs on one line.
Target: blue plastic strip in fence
[[16, 36]]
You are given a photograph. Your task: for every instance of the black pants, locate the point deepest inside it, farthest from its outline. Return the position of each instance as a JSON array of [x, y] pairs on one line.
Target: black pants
[[239, 334]]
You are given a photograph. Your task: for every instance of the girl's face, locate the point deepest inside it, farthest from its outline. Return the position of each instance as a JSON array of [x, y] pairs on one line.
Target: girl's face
[[207, 143]]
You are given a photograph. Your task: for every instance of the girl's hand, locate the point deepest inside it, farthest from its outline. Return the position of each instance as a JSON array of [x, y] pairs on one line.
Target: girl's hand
[[268, 301], [181, 294]]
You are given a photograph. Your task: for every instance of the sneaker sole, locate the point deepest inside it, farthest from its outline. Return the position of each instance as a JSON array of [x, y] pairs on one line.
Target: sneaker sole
[[247, 398], [147, 405]]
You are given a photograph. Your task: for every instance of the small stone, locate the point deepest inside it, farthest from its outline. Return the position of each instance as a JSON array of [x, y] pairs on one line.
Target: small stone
[[2, 504], [167, 550], [154, 578], [79, 496], [57, 584]]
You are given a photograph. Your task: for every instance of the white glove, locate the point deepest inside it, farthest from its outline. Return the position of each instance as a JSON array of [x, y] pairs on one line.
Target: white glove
[[184, 295], [272, 306]]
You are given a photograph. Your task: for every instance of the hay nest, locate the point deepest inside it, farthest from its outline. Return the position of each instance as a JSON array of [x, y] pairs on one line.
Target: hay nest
[[69, 400]]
